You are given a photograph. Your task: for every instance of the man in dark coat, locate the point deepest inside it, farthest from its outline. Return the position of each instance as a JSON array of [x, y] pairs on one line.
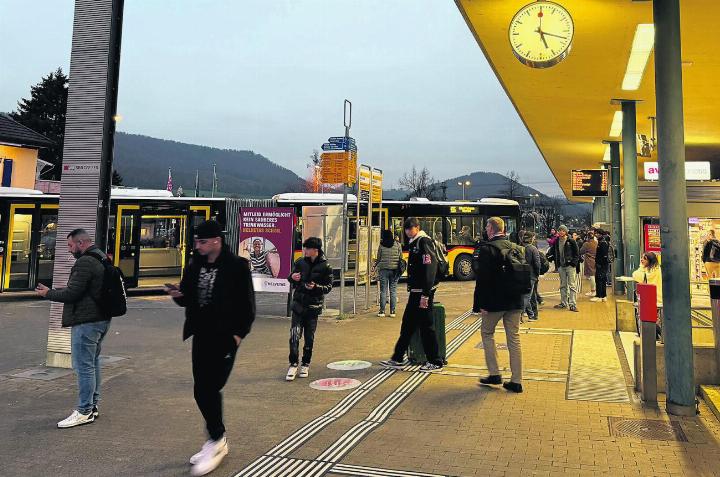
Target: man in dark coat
[[89, 324], [566, 255], [422, 281], [217, 293], [312, 279]]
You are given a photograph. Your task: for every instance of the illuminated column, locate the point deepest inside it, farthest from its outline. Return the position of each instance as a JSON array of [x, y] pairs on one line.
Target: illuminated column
[[677, 328]]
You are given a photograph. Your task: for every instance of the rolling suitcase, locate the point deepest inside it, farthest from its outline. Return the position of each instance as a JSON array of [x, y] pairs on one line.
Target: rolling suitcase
[[416, 353]]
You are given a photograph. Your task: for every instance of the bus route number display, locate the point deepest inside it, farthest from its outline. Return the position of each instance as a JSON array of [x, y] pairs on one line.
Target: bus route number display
[[589, 183]]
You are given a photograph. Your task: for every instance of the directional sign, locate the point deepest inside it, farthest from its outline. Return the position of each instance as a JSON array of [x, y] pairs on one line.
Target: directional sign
[[340, 144], [341, 139], [364, 185], [333, 147], [338, 167], [377, 191]]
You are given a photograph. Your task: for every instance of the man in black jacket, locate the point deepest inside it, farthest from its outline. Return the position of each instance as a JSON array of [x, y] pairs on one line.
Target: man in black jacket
[[566, 255], [532, 257], [312, 279], [422, 281], [217, 293], [496, 303]]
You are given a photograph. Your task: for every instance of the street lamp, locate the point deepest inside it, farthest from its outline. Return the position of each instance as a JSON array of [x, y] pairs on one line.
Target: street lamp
[[463, 184]]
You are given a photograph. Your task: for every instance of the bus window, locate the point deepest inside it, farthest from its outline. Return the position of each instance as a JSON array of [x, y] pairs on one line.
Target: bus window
[[511, 228], [464, 230], [433, 227]]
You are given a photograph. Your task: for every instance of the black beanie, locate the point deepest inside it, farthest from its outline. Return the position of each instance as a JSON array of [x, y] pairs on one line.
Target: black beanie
[[313, 242], [208, 229]]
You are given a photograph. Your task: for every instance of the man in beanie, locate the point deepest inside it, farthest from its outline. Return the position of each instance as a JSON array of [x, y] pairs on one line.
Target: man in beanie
[[217, 293], [312, 279], [566, 255]]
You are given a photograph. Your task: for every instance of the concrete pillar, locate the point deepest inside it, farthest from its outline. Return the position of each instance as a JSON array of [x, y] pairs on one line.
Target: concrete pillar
[[677, 329], [616, 213], [631, 219]]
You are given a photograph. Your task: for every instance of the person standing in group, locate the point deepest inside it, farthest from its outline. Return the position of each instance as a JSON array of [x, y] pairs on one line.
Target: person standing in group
[[387, 264], [602, 266], [89, 323], [566, 256], [311, 279], [217, 293], [711, 255], [587, 253], [532, 256], [496, 302], [423, 279]]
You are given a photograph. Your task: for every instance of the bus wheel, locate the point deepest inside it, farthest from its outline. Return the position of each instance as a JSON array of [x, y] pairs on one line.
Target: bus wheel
[[463, 268]]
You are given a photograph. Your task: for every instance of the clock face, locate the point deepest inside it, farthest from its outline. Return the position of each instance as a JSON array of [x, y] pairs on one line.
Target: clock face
[[541, 34]]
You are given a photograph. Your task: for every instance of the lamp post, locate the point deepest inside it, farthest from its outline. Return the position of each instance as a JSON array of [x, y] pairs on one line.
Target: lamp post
[[463, 184]]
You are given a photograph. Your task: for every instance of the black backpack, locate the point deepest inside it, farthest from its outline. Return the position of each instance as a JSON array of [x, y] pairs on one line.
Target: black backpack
[[113, 296], [443, 265], [515, 272], [544, 263]]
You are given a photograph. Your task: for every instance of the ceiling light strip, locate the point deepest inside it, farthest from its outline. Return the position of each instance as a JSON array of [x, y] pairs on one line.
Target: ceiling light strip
[[639, 55]]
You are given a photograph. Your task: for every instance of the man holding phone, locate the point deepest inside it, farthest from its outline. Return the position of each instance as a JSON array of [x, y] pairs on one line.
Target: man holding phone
[[219, 300], [422, 281], [312, 279]]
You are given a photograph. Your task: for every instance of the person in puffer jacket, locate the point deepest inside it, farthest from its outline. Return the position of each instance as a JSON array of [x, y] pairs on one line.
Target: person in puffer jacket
[[312, 279]]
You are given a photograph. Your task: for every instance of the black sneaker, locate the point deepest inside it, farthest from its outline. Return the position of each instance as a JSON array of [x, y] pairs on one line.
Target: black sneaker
[[430, 367], [574, 308], [391, 363], [95, 412], [514, 387], [533, 318], [560, 306], [492, 379]]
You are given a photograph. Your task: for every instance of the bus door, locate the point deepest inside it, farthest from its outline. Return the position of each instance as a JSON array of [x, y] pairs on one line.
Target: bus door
[[197, 215], [18, 256], [45, 242], [162, 249], [127, 243]]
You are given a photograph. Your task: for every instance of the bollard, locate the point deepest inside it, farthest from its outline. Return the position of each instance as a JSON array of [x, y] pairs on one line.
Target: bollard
[[647, 305], [715, 305]]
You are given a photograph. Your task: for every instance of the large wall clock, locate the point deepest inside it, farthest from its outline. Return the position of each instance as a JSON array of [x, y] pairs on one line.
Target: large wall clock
[[541, 34]]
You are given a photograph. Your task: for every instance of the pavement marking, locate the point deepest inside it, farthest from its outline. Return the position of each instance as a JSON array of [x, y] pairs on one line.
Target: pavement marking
[[595, 370], [361, 471], [261, 466], [290, 467]]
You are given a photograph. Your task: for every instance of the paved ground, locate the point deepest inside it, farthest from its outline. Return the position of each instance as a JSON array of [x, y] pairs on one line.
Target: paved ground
[[396, 423]]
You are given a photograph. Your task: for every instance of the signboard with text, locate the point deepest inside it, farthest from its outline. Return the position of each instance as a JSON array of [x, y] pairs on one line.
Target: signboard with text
[[266, 239], [589, 182], [377, 191], [694, 171], [338, 167], [652, 238]]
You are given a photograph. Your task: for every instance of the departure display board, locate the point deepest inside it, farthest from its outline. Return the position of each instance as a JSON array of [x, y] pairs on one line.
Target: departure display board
[[589, 182]]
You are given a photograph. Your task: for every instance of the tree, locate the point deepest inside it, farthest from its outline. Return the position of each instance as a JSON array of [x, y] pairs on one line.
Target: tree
[[314, 180], [512, 187], [117, 179], [420, 184], [44, 112]]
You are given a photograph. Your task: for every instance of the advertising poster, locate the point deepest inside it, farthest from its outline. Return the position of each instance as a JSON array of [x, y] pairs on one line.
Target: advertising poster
[[266, 236], [652, 238]]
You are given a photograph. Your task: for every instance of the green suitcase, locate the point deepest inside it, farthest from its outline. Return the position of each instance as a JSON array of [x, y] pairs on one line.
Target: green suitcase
[[416, 352]]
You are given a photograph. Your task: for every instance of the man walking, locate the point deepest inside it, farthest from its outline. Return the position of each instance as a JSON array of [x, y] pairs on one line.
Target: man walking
[[532, 257], [312, 279], [423, 279], [82, 312], [566, 255], [219, 300], [497, 302]]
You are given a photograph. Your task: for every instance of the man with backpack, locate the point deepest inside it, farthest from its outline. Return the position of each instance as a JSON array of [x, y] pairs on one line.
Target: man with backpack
[[425, 267], [84, 312], [502, 277], [217, 293], [566, 255]]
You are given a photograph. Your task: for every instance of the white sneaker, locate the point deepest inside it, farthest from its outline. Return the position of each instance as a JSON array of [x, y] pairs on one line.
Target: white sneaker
[[590, 293], [595, 299], [392, 315], [381, 315], [304, 371], [196, 457], [603, 299], [211, 458], [292, 372], [76, 419]]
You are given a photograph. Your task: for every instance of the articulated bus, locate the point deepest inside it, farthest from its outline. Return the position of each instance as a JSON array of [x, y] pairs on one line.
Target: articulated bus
[[148, 235], [457, 225], [150, 231]]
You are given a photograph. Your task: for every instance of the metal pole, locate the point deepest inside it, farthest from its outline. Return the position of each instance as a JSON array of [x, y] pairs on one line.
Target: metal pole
[[357, 240], [347, 122], [631, 218], [673, 213], [370, 244], [619, 264]]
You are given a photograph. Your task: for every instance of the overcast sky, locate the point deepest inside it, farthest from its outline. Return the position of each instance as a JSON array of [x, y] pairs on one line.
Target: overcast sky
[[271, 76]]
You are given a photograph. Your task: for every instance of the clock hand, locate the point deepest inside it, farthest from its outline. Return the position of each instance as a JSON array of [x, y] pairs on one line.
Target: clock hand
[[542, 37], [552, 34]]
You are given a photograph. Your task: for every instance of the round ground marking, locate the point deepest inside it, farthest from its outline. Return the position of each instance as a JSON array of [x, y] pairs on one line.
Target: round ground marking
[[335, 384], [349, 365]]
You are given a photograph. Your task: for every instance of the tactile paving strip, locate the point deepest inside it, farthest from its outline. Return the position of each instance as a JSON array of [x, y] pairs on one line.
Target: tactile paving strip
[[595, 370]]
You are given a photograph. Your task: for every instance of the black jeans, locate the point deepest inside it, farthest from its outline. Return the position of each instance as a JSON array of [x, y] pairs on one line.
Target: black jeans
[[303, 323], [213, 356], [413, 319], [531, 301], [601, 282]]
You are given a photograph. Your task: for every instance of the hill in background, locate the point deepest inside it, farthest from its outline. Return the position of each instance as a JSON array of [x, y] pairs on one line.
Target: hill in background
[[143, 162]]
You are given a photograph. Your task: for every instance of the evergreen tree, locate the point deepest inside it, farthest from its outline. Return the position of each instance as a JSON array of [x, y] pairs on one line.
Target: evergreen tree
[[44, 112], [117, 179]]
